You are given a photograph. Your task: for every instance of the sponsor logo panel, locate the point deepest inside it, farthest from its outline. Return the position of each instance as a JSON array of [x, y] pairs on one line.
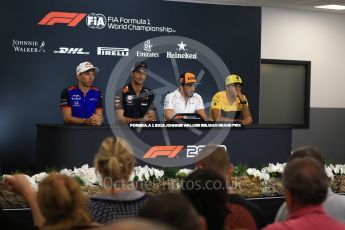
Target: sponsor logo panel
[[67, 50], [172, 151], [112, 51], [165, 151], [101, 21], [71, 19], [181, 52], [24, 46], [147, 51]]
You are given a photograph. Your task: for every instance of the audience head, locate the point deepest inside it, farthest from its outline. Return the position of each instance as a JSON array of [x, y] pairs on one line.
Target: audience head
[[115, 159], [307, 151], [305, 182], [215, 158], [62, 202], [208, 193], [172, 209], [137, 224]]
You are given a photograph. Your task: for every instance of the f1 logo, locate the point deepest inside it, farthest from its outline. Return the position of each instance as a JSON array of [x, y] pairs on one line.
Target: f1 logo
[[168, 151], [71, 19]]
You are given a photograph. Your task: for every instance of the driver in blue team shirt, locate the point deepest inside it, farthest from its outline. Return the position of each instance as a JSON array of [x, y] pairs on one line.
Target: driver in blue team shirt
[[82, 103]]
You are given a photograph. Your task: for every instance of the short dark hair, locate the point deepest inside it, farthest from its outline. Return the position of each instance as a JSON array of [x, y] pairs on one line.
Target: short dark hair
[[139, 65], [172, 209], [214, 157], [307, 151], [305, 178], [207, 191]]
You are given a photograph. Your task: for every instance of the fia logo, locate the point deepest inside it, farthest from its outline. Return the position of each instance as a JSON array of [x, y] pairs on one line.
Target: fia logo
[[96, 21]]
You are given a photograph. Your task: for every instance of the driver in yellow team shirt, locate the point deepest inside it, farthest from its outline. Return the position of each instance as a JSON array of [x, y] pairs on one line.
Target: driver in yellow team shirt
[[231, 104]]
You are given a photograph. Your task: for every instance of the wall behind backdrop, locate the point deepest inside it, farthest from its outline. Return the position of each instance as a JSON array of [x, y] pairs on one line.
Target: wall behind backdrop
[[318, 37], [40, 52]]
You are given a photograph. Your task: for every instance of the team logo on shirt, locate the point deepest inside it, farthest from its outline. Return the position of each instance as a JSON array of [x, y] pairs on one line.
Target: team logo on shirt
[[76, 104], [125, 90], [76, 97], [129, 99], [117, 101]]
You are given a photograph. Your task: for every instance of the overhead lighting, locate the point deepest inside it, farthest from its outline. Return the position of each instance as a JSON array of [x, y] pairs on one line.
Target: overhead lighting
[[331, 7]]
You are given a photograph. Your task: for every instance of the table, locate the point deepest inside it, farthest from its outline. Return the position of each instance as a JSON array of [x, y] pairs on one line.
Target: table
[[68, 146]]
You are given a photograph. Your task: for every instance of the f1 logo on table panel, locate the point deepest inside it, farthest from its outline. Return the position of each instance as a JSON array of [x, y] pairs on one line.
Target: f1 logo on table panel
[[167, 151], [71, 19]]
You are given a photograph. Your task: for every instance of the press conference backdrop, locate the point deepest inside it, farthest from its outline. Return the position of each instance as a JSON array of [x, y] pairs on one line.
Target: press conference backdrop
[[43, 41]]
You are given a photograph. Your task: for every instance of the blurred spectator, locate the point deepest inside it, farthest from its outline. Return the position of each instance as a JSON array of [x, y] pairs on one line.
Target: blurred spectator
[[306, 184], [172, 209], [242, 213], [114, 162], [58, 204], [137, 224], [207, 192], [334, 204]]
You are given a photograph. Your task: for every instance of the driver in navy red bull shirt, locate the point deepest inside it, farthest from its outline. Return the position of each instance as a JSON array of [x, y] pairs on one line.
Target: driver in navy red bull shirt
[[82, 103], [135, 102]]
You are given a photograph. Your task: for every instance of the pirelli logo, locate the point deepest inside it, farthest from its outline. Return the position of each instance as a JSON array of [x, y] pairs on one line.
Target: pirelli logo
[[71, 19], [112, 51], [163, 151]]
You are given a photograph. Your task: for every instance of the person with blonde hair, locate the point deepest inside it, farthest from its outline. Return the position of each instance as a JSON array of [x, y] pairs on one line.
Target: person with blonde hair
[[58, 204], [115, 162]]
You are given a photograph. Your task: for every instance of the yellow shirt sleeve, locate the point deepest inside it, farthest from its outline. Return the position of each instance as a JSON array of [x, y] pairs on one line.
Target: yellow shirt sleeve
[[216, 102]]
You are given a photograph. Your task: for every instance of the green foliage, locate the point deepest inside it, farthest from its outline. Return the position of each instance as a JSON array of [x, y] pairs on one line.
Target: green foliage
[[170, 172], [79, 180], [49, 170], [240, 170], [181, 175], [261, 166], [329, 161], [275, 174]]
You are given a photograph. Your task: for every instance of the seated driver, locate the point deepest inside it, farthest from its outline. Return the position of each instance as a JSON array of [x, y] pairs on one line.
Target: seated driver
[[184, 99]]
